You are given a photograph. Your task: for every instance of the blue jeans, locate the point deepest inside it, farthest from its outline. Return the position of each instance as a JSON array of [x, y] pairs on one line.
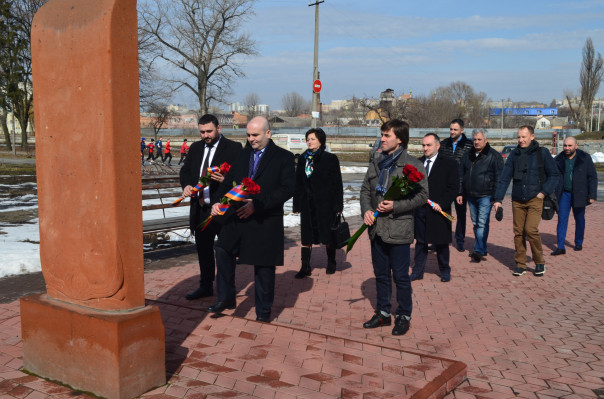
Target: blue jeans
[[391, 262], [564, 206], [480, 212]]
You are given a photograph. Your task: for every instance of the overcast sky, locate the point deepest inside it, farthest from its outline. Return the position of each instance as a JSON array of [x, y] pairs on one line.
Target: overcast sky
[[523, 50]]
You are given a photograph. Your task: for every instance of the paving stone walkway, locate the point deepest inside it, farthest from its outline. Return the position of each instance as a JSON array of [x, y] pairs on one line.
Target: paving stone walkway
[[520, 337]]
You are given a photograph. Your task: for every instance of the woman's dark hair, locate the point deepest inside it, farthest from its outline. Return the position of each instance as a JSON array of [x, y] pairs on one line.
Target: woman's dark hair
[[321, 136], [400, 128]]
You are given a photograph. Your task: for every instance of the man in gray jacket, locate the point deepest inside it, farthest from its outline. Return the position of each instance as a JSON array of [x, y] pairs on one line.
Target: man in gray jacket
[[391, 233]]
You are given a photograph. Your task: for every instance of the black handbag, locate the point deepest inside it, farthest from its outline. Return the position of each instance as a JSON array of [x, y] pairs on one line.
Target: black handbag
[[550, 207], [340, 232], [550, 201]]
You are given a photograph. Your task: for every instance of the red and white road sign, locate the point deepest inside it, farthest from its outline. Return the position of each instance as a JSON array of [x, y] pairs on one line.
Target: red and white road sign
[[316, 86]]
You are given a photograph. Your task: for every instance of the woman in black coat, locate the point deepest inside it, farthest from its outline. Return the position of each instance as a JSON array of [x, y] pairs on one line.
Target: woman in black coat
[[319, 198]]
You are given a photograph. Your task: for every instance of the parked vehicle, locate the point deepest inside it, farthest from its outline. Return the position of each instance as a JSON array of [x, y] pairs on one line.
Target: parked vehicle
[[375, 148], [506, 151], [295, 143]]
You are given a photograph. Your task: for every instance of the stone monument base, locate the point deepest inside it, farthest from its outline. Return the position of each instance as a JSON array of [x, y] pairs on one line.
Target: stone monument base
[[116, 355]]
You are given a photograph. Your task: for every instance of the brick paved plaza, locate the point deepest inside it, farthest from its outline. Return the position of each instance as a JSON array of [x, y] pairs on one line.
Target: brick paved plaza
[[485, 334]]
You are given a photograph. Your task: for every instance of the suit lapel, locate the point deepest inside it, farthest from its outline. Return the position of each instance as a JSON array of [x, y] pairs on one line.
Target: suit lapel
[[265, 158], [216, 160]]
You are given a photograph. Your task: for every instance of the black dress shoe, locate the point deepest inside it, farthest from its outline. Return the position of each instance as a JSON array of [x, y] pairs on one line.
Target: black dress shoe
[[218, 307], [378, 320], [460, 248], [401, 325], [445, 278], [200, 293], [559, 251], [578, 247], [264, 319], [414, 277], [476, 257]]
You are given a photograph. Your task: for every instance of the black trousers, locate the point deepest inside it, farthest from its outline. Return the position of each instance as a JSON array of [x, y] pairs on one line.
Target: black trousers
[[421, 247], [204, 242], [264, 282], [460, 226]]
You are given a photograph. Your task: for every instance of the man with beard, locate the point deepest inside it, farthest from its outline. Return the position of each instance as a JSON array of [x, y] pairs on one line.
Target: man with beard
[[577, 188], [212, 150]]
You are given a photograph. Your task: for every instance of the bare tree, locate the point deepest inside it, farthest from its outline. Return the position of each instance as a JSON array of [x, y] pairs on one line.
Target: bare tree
[[251, 103], [16, 83], [590, 78], [152, 88], [201, 40], [294, 104], [430, 111], [471, 106], [160, 116]]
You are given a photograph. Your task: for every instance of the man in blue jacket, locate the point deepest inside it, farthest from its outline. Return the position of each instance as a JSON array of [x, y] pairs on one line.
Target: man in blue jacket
[[577, 188], [524, 166]]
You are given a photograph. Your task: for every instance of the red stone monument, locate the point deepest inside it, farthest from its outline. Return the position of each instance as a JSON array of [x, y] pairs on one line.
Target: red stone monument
[[91, 330]]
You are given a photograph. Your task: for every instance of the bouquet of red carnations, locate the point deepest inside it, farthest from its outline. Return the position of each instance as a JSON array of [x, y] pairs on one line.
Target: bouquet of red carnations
[[204, 181], [401, 186], [238, 193]]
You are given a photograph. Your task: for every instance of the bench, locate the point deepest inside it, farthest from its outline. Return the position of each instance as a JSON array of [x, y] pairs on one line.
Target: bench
[[158, 193]]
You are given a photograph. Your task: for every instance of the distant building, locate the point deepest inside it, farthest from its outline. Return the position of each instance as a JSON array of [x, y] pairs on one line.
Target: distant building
[[524, 111], [243, 109]]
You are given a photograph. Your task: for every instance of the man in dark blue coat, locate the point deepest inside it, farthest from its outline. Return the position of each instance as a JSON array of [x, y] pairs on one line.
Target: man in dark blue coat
[[524, 166], [253, 229], [577, 188]]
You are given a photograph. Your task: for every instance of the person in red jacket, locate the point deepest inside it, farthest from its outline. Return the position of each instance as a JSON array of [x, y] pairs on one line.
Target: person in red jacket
[[167, 153], [183, 151], [150, 148]]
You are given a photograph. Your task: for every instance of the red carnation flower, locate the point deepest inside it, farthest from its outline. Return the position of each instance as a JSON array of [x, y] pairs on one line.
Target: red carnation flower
[[415, 176], [249, 186], [224, 168], [408, 169]]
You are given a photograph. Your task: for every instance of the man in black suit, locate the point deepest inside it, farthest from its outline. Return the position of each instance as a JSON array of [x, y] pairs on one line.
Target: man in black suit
[[430, 225], [212, 150], [253, 229]]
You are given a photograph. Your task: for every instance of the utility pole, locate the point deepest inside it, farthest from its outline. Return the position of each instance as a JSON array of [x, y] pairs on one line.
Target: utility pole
[[502, 119], [599, 112], [315, 74]]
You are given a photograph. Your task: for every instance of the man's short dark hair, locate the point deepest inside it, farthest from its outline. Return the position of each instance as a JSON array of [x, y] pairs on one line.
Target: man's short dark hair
[[321, 136], [208, 118], [528, 127], [436, 138], [400, 128], [458, 121]]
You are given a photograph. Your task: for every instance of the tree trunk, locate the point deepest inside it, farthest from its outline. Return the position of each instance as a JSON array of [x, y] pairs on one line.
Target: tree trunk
[[23, 118], [3, 116]]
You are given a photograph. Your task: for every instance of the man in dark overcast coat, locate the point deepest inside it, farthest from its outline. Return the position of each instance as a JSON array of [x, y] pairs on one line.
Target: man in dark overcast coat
[[253, 229], [430, 225], [212, 150]]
